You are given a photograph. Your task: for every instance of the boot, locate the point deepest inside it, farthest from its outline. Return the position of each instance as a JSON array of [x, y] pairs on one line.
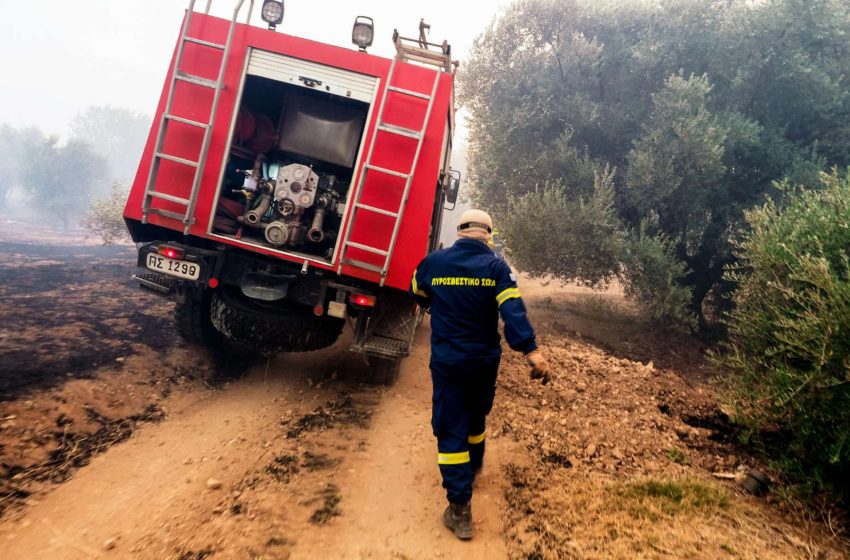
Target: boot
[[458, 518]]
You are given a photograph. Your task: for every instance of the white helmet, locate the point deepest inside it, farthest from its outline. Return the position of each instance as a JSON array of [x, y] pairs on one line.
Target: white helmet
[[475, 224]]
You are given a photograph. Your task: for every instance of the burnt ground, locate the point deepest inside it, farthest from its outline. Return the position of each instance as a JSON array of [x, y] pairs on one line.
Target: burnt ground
[[85, 355], [68, 310]]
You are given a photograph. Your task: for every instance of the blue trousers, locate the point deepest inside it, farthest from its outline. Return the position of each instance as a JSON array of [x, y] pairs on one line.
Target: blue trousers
[[463, 396]]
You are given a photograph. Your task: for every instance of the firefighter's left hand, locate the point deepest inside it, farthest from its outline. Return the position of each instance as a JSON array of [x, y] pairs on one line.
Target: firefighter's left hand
[[540, 368]]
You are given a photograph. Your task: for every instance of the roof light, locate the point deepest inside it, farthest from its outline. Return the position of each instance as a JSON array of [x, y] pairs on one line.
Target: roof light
[[363, 32], [272, 13]]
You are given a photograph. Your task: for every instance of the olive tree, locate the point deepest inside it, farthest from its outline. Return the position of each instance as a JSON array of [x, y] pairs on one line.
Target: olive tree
[[694, 107], [61, 179]]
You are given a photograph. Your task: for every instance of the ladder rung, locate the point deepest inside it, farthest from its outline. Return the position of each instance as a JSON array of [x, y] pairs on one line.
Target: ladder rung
[[387, 171], [204, 43], [389, 213], [185, 121], [169, 197], [167, 214], [364, 265], [367, 248], [176, 159], [424, 53], [409, 92], [415, 134], [433, 61], [197, 80]]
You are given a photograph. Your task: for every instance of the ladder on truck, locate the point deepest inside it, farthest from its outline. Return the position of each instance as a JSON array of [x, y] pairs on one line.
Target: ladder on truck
[[404, 53], [177, 75]]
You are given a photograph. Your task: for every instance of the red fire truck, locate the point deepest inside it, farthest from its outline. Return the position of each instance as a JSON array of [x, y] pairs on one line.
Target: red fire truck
[[289, 186]]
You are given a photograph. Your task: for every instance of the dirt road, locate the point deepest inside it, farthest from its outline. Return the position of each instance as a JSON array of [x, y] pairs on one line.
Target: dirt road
[[119, 441], [250, 471]]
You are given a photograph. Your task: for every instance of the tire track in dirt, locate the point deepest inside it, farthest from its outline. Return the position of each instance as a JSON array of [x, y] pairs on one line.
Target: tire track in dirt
[[275, 465], [392, 495], [159, 494]]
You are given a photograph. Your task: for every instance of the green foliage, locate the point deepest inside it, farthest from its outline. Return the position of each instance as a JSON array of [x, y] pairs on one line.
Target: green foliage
[[115, 133], [789, 352], [696, 105], [677, 456], [60, 179], [550, 234], [105, 218], [678, 159], [14, 144], [650, 276], [673, 496], [583, 241]]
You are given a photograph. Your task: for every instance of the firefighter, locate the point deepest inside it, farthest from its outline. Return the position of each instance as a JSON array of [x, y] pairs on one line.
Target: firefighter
[[467, 287]]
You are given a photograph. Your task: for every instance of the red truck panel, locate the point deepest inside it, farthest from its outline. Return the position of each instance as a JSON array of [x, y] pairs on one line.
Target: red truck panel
[[391, 151]]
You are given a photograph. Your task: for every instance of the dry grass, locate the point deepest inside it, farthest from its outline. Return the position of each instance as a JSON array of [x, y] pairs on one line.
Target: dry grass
[[611, 322], [579, 515], [635, 476]]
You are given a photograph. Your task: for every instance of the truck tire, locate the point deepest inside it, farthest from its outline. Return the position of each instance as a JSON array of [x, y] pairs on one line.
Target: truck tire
[[266, 326], [192, 318], [383, 371]]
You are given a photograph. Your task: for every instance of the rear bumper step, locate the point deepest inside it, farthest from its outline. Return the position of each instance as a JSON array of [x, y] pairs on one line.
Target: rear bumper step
[[155, 282], [383, 346]]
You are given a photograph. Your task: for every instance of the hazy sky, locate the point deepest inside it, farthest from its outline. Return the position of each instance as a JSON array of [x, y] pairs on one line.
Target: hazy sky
[[60, 56]]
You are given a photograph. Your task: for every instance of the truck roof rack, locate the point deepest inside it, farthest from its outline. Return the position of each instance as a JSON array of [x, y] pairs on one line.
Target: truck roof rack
[[420, 50]]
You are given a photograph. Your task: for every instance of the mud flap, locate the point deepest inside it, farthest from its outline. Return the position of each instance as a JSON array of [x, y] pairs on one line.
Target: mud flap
[[388, 331]]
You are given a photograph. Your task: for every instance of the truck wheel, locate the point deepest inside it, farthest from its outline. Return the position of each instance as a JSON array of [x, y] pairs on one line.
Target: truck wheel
[[192, 318], [383, 371], [268, 326]]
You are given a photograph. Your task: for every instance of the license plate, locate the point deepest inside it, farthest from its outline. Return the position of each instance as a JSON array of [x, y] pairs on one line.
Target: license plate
[[172, 267]]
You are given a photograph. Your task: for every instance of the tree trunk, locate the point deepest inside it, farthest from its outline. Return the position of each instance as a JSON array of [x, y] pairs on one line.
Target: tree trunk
[[702, 279]]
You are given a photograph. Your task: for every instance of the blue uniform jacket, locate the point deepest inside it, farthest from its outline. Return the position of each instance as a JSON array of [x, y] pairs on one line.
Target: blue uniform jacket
[[467, 287]]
